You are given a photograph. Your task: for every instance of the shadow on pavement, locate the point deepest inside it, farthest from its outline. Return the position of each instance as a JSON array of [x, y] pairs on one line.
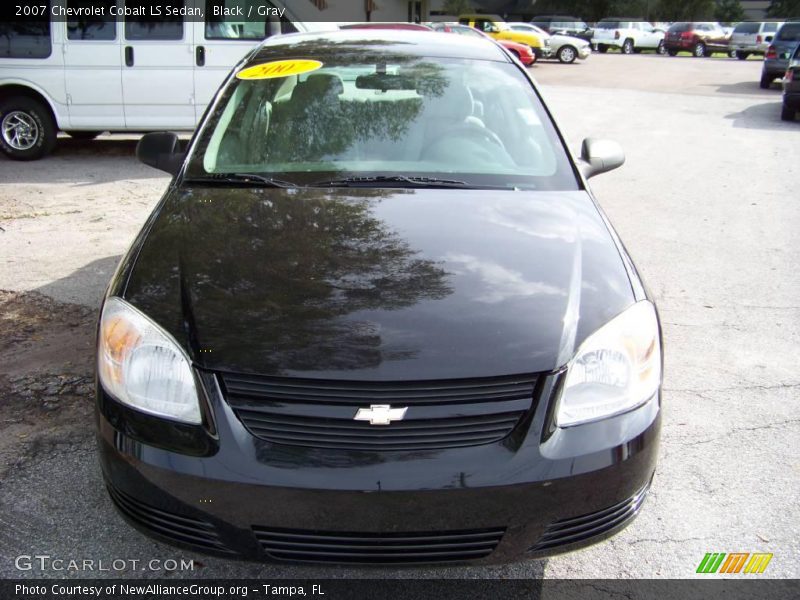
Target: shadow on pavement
[[84, 286], [760, 116], [81, 162], [748, 87]]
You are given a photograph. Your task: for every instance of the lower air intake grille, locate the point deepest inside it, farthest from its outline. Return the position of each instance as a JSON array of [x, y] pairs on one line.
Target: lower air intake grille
[[378, 548], [179, 528], [578, 529]]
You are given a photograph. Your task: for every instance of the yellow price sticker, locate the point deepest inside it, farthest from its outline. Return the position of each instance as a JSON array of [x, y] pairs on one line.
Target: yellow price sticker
[[279, 68]]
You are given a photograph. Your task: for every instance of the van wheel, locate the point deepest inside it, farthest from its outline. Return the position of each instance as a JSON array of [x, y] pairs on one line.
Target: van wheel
[[602, 48], [742, 55], [662, 49], [27, 129], [787, 113], [83, 135], [672, 52], [766, 81]]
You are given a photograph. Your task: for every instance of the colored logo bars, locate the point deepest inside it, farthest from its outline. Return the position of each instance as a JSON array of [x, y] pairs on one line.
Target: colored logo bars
[[736, 562]]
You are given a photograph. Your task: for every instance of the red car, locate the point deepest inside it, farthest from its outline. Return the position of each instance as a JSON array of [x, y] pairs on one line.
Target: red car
[[521, 51]]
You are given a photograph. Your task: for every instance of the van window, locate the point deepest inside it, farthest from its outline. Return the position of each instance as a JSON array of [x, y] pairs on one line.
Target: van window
[[770, 27], [167, 26], [28, 38], [222, 27], [91, 28], [747, 28]]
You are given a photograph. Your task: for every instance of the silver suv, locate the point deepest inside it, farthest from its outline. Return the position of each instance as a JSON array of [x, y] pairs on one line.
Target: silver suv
[[753, 37]]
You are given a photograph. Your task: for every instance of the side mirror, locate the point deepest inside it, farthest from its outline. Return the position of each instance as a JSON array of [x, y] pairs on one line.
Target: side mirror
[[161, 151], [600, 156]]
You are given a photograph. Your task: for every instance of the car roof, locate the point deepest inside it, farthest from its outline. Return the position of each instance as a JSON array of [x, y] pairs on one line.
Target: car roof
[[417, 43]]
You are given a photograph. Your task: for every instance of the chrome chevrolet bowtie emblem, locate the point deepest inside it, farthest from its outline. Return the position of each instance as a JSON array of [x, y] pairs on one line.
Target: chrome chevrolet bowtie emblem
[[380, 414]]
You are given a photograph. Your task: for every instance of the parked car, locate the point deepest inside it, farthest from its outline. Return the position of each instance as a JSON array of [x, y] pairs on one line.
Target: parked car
[[522, 51], [497, 28], [779, 53], [753, 37], [791, 89], [564, 25], [627, 35], [87, 76], [563, 47], [378, 317], [701, 39]]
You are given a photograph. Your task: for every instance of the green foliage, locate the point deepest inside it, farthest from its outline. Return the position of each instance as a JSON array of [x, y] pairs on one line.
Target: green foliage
[[729, 11], [458, 7], [685, 10], [654, 10], [784, 8]]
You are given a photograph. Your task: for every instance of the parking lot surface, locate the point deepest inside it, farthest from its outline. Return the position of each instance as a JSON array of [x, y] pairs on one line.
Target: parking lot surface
[[707, 206]]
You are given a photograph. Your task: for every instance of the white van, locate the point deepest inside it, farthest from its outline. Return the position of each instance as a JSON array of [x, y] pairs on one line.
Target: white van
[[99, 72]]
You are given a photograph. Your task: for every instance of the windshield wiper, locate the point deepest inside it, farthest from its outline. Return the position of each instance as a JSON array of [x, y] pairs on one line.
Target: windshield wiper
[[244, 178], [404, 181]]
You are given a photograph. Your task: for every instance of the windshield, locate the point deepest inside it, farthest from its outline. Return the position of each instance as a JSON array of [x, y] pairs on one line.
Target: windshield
[[747, 28], [680, 27], [789, 33], [613, 25], [472, 121]]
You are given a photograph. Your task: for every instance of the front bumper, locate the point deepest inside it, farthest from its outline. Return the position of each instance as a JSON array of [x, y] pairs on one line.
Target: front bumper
[[751, 48], [680, 45], [530, 495], [612, 43], [585, 52], [775, 68], [792, 98]]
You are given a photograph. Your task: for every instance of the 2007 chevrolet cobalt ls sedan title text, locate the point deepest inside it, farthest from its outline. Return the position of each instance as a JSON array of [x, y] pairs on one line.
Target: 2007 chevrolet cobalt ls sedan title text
[[378, 317]]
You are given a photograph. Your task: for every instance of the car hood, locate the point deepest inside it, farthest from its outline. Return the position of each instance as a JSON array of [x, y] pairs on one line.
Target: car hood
[[559, 39], [378, 284]]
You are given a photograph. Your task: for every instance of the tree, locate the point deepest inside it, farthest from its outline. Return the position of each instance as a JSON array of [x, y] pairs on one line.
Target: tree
[[457, 7], [784, 8], [685, 10], [729, 11]]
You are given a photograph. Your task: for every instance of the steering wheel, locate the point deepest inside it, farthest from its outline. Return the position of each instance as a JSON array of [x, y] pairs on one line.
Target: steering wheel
[[474, 130]]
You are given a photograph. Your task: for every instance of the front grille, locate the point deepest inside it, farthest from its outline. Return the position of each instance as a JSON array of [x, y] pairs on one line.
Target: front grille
[[178, 528], [373, 548], [578, 529], [319, 414], [357, 393]]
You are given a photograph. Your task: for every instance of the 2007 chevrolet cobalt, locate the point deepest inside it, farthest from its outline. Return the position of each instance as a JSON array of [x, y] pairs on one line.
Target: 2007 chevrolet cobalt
[[378, 317]]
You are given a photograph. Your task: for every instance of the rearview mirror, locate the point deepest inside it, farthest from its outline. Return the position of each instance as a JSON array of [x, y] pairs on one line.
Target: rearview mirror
[[161, 150], [385, 82], [600, 156]]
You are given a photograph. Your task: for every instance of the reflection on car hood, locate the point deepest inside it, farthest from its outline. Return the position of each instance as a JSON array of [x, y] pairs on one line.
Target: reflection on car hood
[[390, 284]]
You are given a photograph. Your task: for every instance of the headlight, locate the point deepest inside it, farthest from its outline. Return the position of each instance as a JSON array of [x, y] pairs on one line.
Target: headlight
[[143, 367], [616, 369]]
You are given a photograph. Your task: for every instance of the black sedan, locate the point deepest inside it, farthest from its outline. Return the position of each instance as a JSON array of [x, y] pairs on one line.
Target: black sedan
[[378, 317], [791, 89]]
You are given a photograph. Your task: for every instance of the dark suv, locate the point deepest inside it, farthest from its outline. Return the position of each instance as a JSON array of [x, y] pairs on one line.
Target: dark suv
[[701, 39], [780, 52], [791, 88], [573, 26]]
